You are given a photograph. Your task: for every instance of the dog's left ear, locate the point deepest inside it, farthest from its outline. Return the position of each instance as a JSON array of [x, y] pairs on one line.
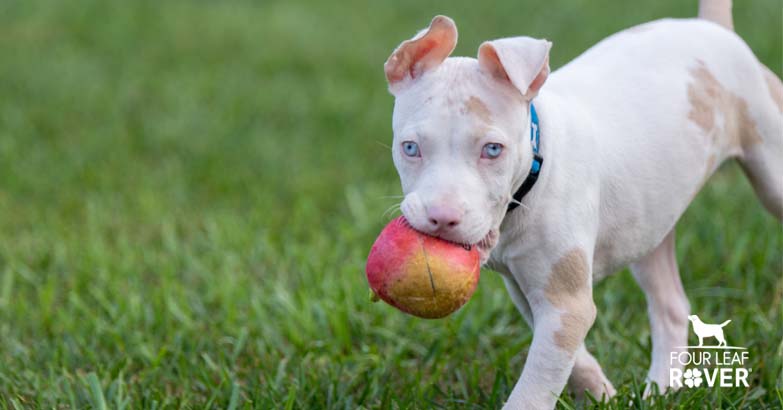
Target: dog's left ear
[[524, 61]]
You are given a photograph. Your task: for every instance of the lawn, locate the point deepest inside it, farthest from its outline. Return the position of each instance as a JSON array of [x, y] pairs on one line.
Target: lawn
[[188, 191]]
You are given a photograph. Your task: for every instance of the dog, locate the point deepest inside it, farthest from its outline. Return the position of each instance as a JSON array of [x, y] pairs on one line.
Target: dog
[[703, 330], [628, 133]]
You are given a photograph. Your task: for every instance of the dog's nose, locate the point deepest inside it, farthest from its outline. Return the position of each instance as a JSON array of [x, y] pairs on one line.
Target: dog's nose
[[443, 217]]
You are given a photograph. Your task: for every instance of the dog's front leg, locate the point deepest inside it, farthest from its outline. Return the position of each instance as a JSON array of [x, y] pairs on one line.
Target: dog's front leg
[[563, 311]]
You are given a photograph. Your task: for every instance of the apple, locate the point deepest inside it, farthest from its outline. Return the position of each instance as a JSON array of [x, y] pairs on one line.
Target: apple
[[420, 274]]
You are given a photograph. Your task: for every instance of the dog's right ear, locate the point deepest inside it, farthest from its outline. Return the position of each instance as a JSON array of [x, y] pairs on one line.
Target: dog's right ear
[[422, 53]]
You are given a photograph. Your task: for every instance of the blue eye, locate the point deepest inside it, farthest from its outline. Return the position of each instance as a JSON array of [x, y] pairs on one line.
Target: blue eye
[[491, 150], [411, 149]]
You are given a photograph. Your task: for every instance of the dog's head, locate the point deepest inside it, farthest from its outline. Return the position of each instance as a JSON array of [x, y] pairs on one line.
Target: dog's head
[[693, 318], [461, 129]]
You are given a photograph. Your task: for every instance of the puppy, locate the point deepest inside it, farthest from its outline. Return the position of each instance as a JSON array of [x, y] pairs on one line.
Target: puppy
[[703, 330], [623, 138]]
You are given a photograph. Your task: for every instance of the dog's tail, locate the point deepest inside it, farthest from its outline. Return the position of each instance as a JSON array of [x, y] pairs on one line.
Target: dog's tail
[[725, 323], [717, 11]]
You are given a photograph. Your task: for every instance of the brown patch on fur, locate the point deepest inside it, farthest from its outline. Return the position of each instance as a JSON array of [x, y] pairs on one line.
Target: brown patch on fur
[[569, 289], [570, 335], [775, 87], [475, 106], [708, 99], [569, 277]]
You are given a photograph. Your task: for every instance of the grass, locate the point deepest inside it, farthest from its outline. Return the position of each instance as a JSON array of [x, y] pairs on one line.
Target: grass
[[188, 191]]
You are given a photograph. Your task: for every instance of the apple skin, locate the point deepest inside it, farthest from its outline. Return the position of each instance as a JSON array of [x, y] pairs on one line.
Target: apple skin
[[420, 274]]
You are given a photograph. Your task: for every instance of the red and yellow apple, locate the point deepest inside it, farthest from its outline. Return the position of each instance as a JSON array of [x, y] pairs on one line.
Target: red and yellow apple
[[420, 274]]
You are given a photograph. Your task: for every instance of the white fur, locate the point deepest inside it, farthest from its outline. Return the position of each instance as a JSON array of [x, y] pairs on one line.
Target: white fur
[[622, 163]]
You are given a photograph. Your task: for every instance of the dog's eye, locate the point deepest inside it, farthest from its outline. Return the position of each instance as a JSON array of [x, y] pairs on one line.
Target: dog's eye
[[411, 149], [491, 150]]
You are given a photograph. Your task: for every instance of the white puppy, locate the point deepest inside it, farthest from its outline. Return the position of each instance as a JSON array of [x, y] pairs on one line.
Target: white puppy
[[629, 131]]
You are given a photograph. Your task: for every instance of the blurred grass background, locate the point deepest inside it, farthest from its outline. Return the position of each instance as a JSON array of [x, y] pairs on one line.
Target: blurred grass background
[[188, 191]]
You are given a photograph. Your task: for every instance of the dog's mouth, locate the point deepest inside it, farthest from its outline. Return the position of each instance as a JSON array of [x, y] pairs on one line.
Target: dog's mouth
[[488, 241], [486, 244]]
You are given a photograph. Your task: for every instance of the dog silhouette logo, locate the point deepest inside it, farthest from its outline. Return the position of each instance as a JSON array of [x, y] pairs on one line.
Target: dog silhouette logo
[[704, 330]]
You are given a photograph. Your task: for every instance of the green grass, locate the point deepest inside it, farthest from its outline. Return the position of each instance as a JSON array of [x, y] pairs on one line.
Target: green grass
[[188, 191]]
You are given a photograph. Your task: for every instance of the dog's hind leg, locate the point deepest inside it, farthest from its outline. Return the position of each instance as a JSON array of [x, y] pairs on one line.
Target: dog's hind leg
[[762, 159], [667, 306]]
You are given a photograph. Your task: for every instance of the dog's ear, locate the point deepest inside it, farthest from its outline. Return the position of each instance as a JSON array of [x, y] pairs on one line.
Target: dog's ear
[[523, 61], [423, 52]]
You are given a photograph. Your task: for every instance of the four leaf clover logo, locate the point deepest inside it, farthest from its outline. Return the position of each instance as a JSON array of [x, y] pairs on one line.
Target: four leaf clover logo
[[692, 377]]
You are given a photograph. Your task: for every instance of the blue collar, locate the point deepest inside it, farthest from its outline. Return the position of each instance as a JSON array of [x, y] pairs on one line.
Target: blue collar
[[535, 167]]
